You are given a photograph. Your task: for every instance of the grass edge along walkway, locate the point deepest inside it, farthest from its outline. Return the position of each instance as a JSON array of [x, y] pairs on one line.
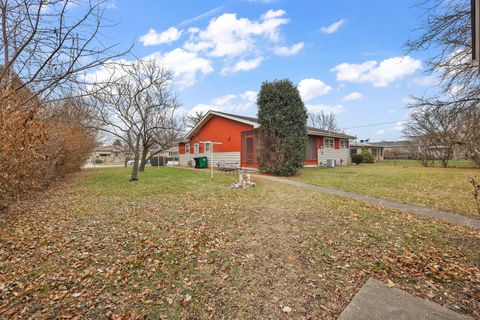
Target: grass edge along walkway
[[416, 209]]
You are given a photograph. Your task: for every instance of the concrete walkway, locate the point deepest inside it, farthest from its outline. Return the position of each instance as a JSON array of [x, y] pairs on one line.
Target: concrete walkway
[[376, 301], [419, 210]]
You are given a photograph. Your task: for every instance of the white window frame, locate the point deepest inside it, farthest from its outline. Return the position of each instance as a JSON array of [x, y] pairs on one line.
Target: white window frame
[[196, 149], [343, 144], [187, 148], [328, 146], [206, 147]]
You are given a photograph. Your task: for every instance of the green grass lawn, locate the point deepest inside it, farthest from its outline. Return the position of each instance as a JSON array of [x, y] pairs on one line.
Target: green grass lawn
[[447, 189], [176, 245]]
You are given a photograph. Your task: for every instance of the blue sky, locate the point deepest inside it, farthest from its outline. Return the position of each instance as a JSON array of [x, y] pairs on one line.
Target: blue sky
[[346, 56]]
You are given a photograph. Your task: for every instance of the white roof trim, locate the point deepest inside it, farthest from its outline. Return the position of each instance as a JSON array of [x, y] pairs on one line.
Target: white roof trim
[[212, 113]]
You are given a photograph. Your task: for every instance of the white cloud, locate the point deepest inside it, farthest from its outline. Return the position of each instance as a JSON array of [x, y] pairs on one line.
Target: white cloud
[[224, 99], [187, 66], [353, 96], [152, 37], [426, 81], [333, 27], [379, 132], [239, 44], [321, 107], [353, 72], [400, 125], [249, 96], [312, 88], [288, 51], [392, 111], [243, 65], [379, 74], [408, 100], [108, 70], [202, 108], [229, 36], [236, 103], [456, 89]]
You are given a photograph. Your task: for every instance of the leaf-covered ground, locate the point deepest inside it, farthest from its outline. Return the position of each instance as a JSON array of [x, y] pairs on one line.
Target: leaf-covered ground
[[447, 189], [176, 245]]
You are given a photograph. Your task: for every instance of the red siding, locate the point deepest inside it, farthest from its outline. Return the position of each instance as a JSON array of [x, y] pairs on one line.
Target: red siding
[[337, 143], [219, 129], [319, 142], [181, 148]]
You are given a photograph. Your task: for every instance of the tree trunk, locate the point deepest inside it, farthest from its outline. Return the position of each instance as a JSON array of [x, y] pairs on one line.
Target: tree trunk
[[476, 159], [136, 158], [125, 162], [143, 161]]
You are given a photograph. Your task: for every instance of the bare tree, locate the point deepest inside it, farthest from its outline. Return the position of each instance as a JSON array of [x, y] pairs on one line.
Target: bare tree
[[476, 192], [136, 104], [435, 131], [124, 150], [447, 29], [470, 132], [419, 147], [164, 138], [323, 120], [194, 119], [48, 45], [160, 132], [446, 33]]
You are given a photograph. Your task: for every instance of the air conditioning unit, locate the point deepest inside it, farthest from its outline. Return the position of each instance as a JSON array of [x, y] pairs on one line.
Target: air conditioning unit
[[331, 163]]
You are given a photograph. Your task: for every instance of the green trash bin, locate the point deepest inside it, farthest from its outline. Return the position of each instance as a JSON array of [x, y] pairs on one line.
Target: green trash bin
[[202, 162]]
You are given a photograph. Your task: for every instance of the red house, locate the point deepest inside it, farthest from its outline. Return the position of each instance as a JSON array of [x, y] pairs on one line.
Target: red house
[[235, 139]]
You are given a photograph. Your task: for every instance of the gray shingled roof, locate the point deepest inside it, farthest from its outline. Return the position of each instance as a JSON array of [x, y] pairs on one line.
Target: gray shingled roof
[[389, 144], [252, 119], [311, 129]]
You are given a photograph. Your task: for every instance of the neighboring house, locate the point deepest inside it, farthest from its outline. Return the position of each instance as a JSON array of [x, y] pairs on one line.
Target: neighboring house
[[401, 149], [108, 154], [236, 139], [376, 151], [171, 152], [405, 149]]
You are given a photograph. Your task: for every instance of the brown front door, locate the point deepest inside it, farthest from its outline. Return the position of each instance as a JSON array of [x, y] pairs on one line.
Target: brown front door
[[250, 150]]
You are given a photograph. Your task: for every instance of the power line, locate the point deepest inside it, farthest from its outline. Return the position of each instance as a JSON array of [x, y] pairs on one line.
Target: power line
[[374, 124]]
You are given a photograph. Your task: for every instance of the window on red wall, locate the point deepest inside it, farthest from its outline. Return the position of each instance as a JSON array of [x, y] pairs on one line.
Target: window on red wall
[[328, 143]]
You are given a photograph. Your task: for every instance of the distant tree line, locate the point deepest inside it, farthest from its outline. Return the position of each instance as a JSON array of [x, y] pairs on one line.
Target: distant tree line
[[323, 120]]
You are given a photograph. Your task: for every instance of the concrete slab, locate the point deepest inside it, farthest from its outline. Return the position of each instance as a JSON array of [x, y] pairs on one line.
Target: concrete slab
[[376, 301]]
